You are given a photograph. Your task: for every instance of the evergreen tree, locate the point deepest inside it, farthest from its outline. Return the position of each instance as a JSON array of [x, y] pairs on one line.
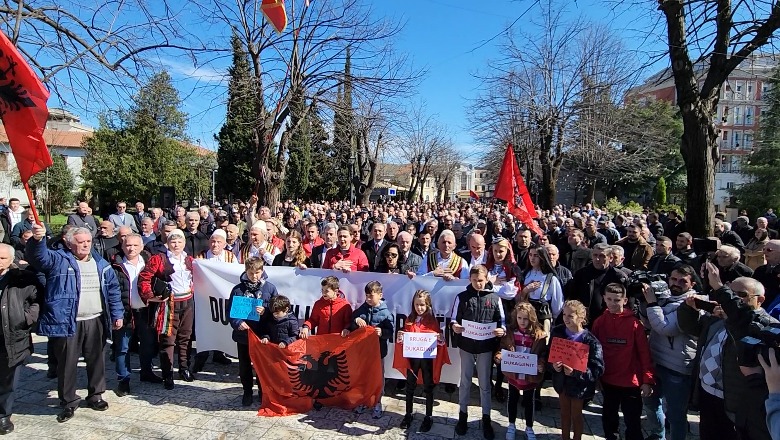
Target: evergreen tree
[[55, 186], [236, 137], [762, 190], [341, 151], [660, 192], [296, 180]]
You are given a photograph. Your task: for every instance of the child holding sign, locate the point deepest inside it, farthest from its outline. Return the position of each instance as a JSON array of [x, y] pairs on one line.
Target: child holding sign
[[254, 286], [420, 320], [478, 321], [525, 335], [574, 386], [628, 374]]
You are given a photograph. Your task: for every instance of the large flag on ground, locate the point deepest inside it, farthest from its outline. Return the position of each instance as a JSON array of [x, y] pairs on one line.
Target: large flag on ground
[[275, 13], [23, 110], [511, 188], [334, 371]]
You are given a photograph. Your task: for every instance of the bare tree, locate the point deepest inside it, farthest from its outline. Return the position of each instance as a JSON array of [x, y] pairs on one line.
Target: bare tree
[[303, 66], [83, 51], [446, 163], [373, 120]]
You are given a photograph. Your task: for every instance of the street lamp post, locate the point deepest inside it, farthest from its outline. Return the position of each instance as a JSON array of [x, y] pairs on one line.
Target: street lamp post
[[214, 184]]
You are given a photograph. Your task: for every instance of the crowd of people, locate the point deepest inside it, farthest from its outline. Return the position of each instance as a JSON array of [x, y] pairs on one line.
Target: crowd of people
[[670, 322]]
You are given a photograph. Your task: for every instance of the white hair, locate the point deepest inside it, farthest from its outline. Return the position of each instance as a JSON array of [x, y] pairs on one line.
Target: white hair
[[72, 232]]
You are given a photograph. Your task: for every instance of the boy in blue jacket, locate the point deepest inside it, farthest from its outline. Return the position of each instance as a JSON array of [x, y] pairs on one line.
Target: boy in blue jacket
[[279, 327], [374, 312], [253, 285]]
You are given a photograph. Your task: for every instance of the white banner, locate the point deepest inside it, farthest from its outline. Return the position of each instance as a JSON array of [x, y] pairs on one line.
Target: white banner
[[213, 282]]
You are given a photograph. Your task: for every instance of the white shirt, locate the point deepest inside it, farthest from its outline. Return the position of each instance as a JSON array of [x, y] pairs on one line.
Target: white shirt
[[554, 291], [325, 250], [482, 259], [268, 257], [181, 279], [221, 257], [132, 274], [15, 217], [464, 272]]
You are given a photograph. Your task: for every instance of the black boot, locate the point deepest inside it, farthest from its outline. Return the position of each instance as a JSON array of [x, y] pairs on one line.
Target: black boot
[[427, 424], [406, 422], [123, 388], [149, 376], [168, 380], [463, 424], [487, 428], [247, 399], [6, 425]]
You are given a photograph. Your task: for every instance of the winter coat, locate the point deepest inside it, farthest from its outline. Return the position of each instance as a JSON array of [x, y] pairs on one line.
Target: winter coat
[[670, 347], [281, 330], [580, 385], [265, 291], [379, 317], [19, 310], [539, 348], [482, 307], [639, 259], [63, 285], [329, 316], [124, 284], [627, 360]]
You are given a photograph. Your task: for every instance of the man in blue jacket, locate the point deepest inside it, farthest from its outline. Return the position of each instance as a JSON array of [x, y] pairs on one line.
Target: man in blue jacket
[[81, 306]]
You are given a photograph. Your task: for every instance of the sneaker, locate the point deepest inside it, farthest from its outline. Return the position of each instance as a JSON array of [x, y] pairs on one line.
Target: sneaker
[[427, 424], [360, 409], [510, 432], [529, 433], [377, 414]]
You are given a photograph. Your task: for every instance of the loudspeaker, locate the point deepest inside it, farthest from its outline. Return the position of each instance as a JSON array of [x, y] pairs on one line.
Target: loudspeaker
[[167, 197]]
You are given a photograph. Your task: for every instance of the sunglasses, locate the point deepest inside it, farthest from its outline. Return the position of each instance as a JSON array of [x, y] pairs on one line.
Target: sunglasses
[[391, 255]]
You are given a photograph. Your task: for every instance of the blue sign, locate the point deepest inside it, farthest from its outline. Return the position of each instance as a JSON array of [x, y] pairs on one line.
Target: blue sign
[[390, 191], [245, 307]]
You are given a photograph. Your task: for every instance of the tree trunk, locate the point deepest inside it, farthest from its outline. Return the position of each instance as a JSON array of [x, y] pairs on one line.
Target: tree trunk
[[590, 195], [699, 151], [548, 183]]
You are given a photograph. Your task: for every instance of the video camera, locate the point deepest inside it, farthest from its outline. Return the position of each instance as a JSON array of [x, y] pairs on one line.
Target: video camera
[[750, 347], [657, 283]]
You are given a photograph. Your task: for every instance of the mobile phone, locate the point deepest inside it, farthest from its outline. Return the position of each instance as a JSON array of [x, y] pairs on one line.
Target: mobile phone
[[705, 305]]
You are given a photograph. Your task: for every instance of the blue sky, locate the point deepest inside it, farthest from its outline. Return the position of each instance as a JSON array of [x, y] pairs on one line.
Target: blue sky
[[450, 38]]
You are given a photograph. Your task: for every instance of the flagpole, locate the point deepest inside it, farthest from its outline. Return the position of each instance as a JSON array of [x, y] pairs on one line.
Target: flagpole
[[32, 202]]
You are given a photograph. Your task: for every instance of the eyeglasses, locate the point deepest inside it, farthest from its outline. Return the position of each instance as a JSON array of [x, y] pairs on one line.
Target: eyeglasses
[[743, 294]]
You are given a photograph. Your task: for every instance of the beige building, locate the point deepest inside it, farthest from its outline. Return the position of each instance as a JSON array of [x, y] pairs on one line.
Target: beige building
[[466, 179]]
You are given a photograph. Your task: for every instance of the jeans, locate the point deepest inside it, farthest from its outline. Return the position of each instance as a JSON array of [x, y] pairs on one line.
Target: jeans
[[121, 339], [675, 389], [482, 363]]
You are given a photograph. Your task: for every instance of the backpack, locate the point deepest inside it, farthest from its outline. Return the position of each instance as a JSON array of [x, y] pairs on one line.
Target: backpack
[[542, 306]]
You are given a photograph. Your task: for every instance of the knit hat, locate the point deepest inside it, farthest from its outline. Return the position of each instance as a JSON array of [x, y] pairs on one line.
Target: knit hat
[[176, 233], [219, 233]]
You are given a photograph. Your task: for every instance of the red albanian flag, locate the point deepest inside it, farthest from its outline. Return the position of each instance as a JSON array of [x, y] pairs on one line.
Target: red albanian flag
[[23, 111], [511, 188], [473, 195], [275, 13]]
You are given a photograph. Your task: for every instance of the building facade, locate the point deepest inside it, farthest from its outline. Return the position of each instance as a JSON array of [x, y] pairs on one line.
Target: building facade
[[739, 110]]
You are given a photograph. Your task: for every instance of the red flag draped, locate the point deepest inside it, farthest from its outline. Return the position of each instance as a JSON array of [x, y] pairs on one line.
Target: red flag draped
[[511, 188], [334, 371], [275, 13], [473, 195]]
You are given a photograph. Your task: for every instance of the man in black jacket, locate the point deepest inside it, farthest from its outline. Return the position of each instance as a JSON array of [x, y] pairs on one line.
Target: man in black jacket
[[195, 241], [728, 237], [663, 262], [18, 313], [373, 248], [589, 282]]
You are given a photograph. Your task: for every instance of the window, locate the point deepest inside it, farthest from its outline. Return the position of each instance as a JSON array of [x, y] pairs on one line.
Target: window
[[764, 89], [483, 187], [747, 140], [725, 117], [750, 90], [730, 185], [476, 187], [725, 135], [749, 115], [464, 181], [738, 116], [737, 138]]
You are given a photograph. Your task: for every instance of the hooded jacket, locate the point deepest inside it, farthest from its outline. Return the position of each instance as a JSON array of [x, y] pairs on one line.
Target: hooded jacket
[[626, 350], [263, 290], [19, 307], [379, 317], [482, 306], [670, 347], [580, 385], [330, 316], [279, 330]]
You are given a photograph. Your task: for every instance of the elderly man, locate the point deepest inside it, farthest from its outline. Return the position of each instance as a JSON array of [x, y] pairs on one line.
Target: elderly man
[[589, 283], [258, 245], [127, 266], [14, 213], [206, 223], [330, 241], [19, 301], [476, 254], [140, 214], [408, 262], [728, 237], [83, 304], [763, 223], [160, 244], [83, 219], [345, 256], [28, 220], [233, 241], [216, 250], [373, 248], [564, 274], [147, 230], [444, 262], [767, 274], [175, 301], [122, 218], [106, 243], [729, 267], [195, 240]]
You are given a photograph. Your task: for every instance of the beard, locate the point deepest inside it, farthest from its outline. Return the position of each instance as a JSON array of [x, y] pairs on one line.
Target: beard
[[676, 290]]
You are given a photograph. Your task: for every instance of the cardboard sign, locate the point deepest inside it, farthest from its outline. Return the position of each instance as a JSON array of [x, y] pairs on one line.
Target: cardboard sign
[[420, 345], [516, 362], [244, 307], [478, 331], [573, 354]]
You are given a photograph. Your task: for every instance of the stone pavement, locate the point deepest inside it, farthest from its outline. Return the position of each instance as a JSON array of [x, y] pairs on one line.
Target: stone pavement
[[210, 408]]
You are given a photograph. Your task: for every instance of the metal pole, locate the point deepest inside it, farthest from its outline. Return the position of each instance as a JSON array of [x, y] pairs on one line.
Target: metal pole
[[213, 186]]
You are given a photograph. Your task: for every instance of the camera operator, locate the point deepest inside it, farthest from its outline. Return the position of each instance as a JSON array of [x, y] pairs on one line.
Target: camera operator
[[744, 399], [767, 274], [589, 282], [715, 365], [727, 262], [672, 350]]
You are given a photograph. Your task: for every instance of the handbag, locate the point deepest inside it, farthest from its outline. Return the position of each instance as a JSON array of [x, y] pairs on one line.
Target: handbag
[[161, 288]]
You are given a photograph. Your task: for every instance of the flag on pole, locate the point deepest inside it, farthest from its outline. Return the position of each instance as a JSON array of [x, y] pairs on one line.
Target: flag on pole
[[275, 13], [511, 188], [473, 195], [24, 113]]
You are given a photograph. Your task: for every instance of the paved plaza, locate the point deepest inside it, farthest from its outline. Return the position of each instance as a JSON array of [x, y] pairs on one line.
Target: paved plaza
[[210, 408]]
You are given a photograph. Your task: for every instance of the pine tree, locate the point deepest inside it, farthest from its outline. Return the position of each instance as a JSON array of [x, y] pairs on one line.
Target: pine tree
[[762, 190], [660, 192], [236, 137], [55, 186], [296, 179]]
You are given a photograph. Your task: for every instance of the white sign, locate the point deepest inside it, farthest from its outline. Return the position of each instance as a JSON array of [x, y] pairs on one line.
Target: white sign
[[516, 362], [420, 345], [213, 281], [478, 331]]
